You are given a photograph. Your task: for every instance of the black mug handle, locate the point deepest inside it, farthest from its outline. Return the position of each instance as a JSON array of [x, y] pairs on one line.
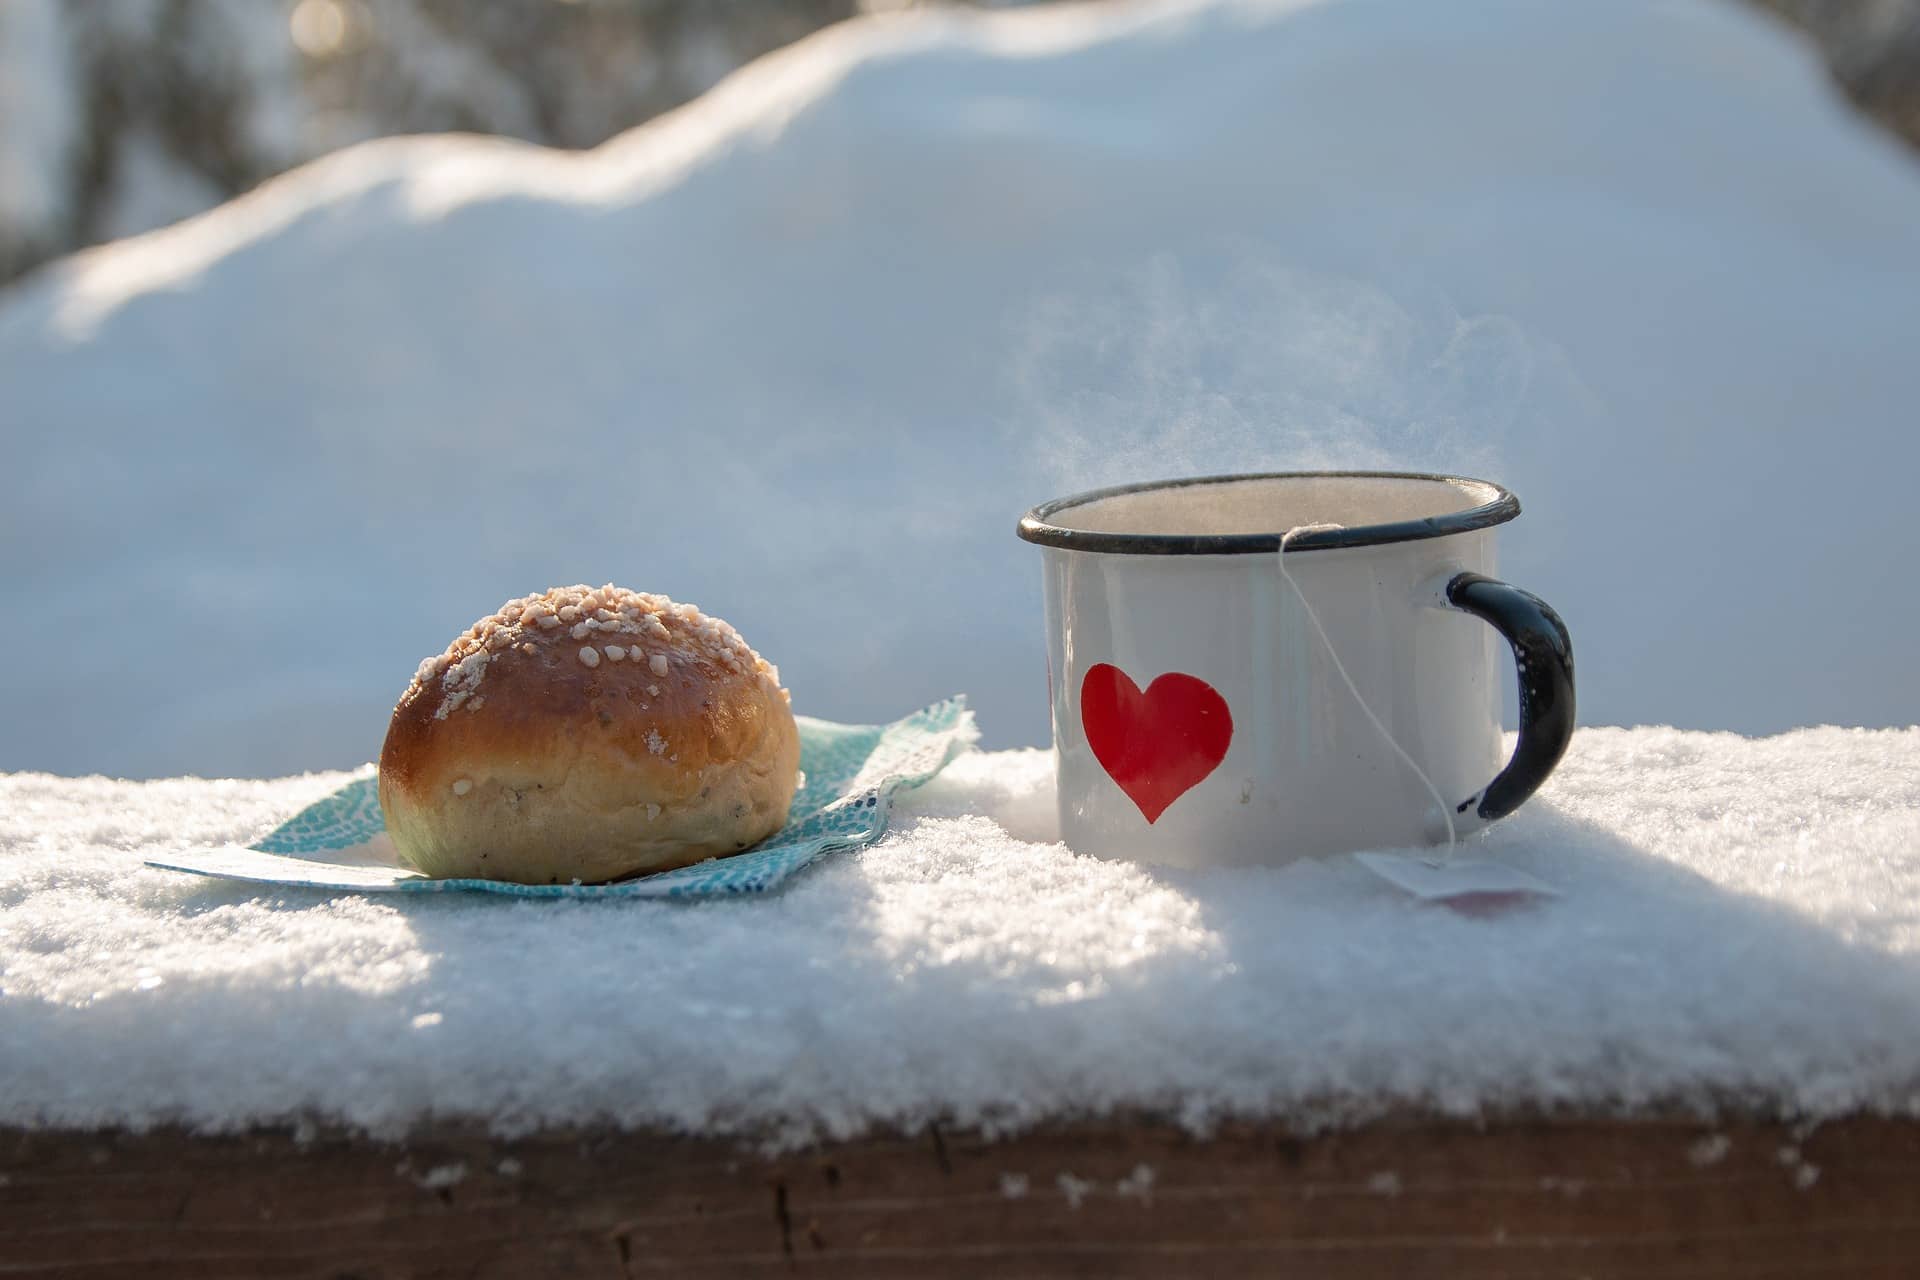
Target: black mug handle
[[1543, 658]]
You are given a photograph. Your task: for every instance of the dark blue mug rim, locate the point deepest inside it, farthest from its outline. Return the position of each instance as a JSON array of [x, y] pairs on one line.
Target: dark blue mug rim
[[1037, 525]]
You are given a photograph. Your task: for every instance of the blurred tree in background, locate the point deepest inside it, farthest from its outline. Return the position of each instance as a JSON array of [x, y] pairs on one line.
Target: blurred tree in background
[[1873, 49], [117, 116]]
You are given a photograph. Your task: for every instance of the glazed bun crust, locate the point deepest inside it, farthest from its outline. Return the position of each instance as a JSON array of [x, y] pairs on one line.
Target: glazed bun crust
[[587, 735]]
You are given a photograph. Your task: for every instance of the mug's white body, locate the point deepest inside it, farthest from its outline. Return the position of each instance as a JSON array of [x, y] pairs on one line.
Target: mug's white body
[[1304, 770]]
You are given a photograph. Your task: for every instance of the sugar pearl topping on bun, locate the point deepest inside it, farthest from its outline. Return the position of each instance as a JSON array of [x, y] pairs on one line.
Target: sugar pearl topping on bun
[[595, 624], [587, 733]]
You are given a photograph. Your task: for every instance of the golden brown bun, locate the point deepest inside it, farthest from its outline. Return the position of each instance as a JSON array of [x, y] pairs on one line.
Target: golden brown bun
[[587, 735]]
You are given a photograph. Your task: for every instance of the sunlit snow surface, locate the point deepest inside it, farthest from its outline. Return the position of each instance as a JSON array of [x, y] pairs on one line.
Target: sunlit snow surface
[[1740, 929], [803, 352]]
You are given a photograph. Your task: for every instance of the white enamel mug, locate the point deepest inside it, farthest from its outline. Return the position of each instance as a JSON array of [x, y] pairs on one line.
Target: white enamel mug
[[1199, 718]]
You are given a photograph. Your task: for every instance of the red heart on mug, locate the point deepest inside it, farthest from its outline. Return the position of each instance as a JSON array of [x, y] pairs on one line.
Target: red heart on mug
[[1156, 744]]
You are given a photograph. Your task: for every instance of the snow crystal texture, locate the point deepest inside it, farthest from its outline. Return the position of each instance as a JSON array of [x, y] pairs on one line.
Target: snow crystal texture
[[1741, 929]]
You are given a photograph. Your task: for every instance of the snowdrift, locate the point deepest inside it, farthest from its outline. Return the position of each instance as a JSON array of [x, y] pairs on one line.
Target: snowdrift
[[803, 351]]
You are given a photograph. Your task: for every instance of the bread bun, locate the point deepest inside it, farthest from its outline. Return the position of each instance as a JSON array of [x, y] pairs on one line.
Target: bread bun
[[587, 735]]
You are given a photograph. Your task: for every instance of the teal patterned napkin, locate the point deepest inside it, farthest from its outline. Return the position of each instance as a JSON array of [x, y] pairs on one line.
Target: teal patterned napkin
[[850, 774]]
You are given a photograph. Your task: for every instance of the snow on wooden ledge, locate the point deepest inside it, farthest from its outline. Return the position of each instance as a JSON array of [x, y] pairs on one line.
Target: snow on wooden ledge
[[1739, 931]]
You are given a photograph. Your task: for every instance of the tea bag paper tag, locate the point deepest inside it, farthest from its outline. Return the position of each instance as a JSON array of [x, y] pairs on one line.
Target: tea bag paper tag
[[1463, 882]]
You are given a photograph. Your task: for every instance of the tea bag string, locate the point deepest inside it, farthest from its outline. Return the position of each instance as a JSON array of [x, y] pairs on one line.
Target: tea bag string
[[1281, 559]]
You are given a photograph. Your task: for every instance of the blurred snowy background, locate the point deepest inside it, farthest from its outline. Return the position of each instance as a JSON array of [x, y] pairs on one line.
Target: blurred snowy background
[[119, 116], [803, 351]]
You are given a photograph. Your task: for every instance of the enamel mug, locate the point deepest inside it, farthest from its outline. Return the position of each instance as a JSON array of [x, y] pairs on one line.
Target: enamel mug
[[1199, 716]]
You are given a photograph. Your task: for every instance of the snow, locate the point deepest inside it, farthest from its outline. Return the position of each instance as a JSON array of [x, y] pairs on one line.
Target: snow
[[1740, 930], [803, 352]]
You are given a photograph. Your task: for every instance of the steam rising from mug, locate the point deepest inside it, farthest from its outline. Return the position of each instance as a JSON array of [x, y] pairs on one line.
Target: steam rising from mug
[[1235, 361]]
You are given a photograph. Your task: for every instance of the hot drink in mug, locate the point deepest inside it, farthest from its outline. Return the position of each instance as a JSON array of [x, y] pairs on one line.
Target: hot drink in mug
[[1211, 706]]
